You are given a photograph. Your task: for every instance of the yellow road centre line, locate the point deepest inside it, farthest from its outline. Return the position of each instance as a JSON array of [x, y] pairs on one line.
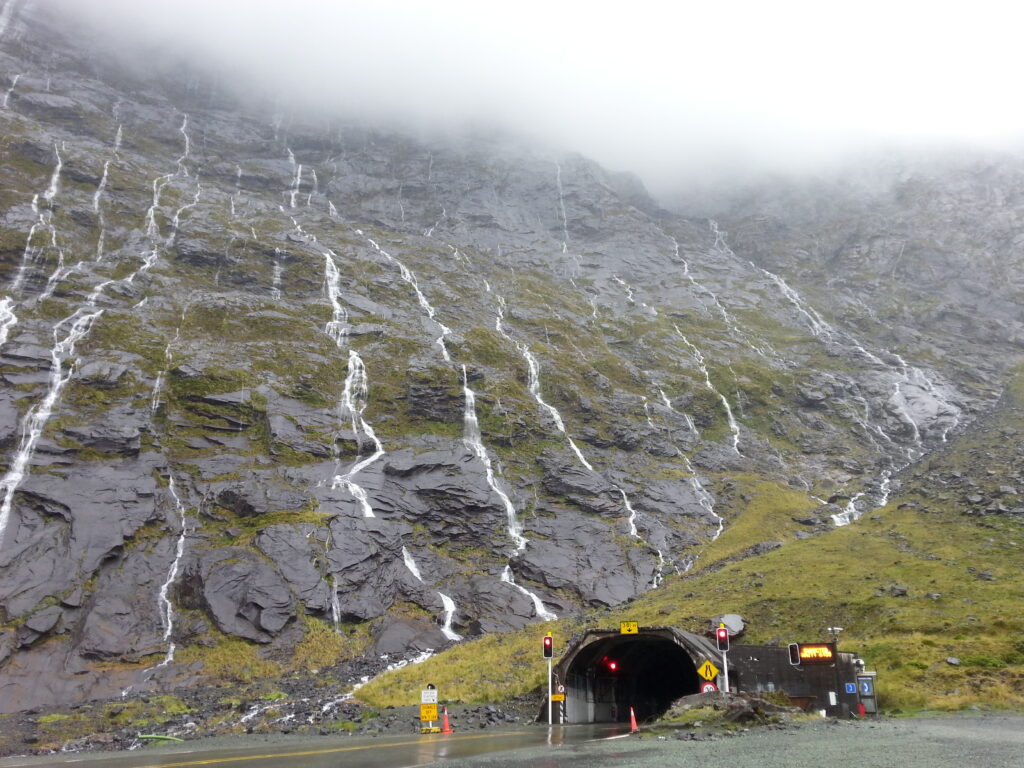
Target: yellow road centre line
[[218, 760]]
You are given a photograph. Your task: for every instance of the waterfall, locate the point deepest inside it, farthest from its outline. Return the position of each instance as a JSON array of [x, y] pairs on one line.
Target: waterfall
[[703, 290], [699, 359], [449, 613], [154, 398], [410, 277], [183, 130], [335, 601], [7, 318], [647, 412], [79, 324], [54, 187], [561, 206], [166, 607], [474, 442], [7, 15], [337, 326], [353, 402], [686, 417], [176, 219], [429, 232], [533, 384], [9, 91], [99, 189], [632, 513], [538, 606], [293, 190], [410, 563]]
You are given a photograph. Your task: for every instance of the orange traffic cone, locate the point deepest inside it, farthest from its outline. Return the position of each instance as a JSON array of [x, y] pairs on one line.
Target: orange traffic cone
[[447, 728], [632, 721]]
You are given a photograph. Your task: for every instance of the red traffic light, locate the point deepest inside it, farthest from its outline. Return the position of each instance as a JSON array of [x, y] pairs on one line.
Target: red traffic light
[[549, 646], [610, 664], [722, 637]]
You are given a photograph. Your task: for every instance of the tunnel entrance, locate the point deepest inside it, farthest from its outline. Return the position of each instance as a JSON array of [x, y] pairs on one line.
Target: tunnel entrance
[[606, 673]]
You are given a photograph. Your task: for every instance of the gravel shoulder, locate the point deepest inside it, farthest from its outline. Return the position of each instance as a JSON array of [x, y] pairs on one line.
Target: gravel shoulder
[[993, 741]]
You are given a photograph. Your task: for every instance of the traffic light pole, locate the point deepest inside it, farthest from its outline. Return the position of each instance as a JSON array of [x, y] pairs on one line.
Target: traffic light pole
[[550, 721], [725, 670]]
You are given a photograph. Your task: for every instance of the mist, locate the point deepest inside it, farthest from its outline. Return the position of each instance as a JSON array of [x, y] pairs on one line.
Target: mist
[[678, 95]]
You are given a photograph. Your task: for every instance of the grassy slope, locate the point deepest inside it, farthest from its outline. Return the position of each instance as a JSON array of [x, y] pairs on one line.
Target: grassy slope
[[922, 540]]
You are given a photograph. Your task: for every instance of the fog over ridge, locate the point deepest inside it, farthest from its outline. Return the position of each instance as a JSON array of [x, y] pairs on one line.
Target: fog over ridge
[[666, 92]]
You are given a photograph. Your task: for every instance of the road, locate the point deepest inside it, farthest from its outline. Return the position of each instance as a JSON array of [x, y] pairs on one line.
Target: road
[[989, 741], [328, 752]]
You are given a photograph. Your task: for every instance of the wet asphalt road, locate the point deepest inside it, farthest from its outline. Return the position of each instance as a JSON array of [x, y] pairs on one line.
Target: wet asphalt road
[[329, 752], [988, 741]]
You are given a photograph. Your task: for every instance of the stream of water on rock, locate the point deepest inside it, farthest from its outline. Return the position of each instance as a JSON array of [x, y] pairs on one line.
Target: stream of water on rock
[[902, 376], [474, 442], [77, 325], [533, 382], [353, 403], [9, 91], [166, 607], [698, 358], [410, 277]]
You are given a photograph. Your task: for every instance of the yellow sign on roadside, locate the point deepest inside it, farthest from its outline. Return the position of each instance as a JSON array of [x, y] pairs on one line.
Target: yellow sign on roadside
[[628, 628], [428, 713], [707, 670]]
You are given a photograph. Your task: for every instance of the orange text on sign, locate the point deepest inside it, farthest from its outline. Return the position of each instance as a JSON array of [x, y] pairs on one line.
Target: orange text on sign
[[815, 652]]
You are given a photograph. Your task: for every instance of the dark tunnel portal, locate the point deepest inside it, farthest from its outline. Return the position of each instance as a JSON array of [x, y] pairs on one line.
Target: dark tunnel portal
[[646, 672]]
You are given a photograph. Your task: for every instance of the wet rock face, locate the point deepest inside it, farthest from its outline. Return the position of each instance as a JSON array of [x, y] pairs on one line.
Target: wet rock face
[[267, 417], [243, 594]]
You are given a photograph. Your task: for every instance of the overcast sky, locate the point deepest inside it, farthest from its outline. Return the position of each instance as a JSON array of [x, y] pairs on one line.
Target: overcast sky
[[664, 89]]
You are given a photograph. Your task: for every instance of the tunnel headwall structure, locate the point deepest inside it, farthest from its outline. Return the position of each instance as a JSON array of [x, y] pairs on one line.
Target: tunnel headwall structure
[[605, 672]]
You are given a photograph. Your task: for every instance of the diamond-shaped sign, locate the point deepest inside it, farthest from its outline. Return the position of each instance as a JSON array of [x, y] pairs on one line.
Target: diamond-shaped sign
[[707, 670]]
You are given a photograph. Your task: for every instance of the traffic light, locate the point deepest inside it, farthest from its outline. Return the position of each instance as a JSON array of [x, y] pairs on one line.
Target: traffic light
[[794, 654], [722, 637], [549, 646], [610, 664]]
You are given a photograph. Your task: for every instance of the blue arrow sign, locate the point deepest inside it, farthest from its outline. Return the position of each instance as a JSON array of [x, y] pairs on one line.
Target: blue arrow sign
[[851, 688]]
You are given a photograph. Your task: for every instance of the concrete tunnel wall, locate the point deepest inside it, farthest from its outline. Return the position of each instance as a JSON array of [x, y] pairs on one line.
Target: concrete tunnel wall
[[652, 669]]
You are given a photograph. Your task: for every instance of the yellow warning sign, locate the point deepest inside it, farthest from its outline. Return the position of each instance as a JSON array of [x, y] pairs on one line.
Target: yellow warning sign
[[707, 670], [428, 713], [628, 628], [558, 697]]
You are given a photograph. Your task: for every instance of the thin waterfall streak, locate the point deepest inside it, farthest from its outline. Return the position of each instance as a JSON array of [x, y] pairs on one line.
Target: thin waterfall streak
[[7, 318], [54, 187], [353, 402], [449, 614], [410, 278], [99, 189], [166, 607], [34, 421], [337, 326], [538, 606], [9, 91], [533, 384], [702, 366], [410, 563], [473, 440]]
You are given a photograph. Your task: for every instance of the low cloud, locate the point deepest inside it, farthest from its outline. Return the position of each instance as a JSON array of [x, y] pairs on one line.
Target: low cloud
[[673, 93]]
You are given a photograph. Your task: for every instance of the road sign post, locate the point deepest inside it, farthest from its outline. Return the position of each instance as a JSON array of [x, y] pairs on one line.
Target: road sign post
[[722, 638], [549, 652], [428, 707]]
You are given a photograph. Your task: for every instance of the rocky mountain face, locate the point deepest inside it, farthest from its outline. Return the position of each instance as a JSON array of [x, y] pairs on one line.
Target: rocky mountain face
[[282, 379]]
